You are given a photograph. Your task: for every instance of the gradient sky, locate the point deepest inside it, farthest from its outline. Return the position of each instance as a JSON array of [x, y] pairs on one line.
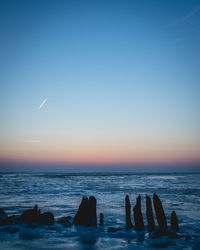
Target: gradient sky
[[118, 82]]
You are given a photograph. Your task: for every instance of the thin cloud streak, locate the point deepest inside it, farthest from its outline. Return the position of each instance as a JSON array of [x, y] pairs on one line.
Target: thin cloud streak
[[30, 141], [186, 17], [191, 13], [42, 104]]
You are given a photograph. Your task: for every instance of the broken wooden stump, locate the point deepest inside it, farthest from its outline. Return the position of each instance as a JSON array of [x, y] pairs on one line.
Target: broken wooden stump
[[79, 218], [34, 216], [174, 221], [139, 223], [86, 214], [128, 212], [3, 214], [30, 215], [149, 214], [160, 214], [46, 218], [92, 212], [64, 220], [101, 220], [9, 220]]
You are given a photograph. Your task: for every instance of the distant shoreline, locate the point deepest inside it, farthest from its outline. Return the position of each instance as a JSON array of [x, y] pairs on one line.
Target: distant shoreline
[[99, 173]]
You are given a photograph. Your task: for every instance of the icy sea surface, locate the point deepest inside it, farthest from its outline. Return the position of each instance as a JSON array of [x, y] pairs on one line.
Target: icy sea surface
[[61, 194]]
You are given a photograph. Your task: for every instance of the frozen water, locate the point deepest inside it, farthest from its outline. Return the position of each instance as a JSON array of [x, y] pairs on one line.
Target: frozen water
[[61, 194]]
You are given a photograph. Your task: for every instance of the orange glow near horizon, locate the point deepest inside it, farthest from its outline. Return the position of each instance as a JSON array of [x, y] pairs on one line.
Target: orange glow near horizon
[[99, 154]]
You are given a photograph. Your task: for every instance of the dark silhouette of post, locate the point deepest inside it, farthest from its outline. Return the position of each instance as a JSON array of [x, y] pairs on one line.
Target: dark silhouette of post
[[3, 214], [5, 219], [46, 218], [81, 215], [139, 224], [174, 221], [149, 214], [34, 216], [160, 214], [128, 212], [86, 214], [30, 215], [101, 220], [9, 220], [92, 212]]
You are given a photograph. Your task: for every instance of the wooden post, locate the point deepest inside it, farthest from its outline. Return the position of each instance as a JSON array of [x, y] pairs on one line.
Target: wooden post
[[174, 221], [128, 212], [81, 215], [160, 214], [86, 214], [91, 212], [139, 224], [101, 220], [149, 214]]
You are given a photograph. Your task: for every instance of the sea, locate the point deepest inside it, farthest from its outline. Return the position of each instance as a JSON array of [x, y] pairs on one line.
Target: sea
[[61, 194]]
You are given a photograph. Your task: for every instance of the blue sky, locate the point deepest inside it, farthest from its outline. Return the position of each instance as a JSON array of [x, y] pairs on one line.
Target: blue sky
[[121, 80]]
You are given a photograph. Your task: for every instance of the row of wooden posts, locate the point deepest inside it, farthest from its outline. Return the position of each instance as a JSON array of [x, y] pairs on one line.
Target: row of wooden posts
[[159, 211], [86, 214]]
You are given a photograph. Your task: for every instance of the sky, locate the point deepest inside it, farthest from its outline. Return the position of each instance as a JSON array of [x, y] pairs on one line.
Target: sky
[[99, 83]]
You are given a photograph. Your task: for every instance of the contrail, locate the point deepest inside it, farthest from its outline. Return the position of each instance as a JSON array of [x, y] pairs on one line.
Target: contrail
[[191, 13], [30, 141], [42, 104]]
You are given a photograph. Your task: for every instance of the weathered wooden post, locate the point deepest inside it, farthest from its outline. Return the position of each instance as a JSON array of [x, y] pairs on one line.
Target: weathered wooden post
[[86, 214], [3, 214], [174, 221], [30, 215], [91, 212], [139, 224], [81, 215], [101, 220], [128, 212], [149, 214], [160, 214]]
